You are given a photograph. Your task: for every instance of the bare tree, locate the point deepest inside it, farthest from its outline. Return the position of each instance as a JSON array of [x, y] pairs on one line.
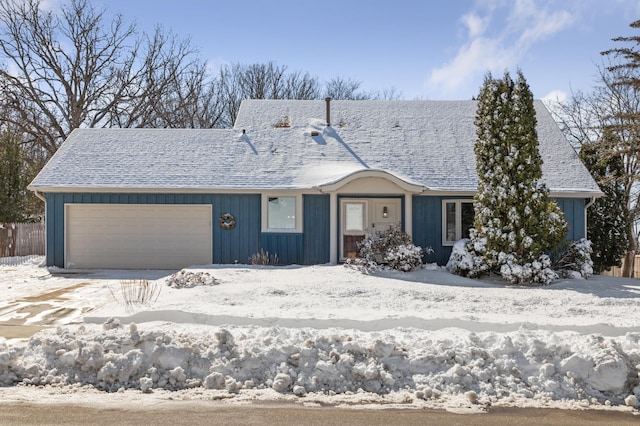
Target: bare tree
[[345, 88], [171, 88], [261, 81], [79, 68], [349, 89]]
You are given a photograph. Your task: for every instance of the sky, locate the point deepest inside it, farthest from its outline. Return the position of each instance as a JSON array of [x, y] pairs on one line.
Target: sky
[[428, 49]]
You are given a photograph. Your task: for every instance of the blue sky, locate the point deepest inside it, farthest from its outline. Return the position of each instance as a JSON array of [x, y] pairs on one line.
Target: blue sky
[[425, 49]]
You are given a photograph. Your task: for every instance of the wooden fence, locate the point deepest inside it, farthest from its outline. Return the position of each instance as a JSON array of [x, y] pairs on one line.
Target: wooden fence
[[22, 239], [616, 271]]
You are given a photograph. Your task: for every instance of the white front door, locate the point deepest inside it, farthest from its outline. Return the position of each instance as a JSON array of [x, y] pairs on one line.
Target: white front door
[[363, 217]]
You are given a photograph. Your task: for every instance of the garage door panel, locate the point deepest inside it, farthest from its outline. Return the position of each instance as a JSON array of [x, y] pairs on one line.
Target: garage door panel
[[137, 236]]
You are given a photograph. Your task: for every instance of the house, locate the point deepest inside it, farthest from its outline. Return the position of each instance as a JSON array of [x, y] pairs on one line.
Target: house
[[305, 180]]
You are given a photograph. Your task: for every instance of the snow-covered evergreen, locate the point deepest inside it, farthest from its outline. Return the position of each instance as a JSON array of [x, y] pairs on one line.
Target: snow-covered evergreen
[[514, 218]]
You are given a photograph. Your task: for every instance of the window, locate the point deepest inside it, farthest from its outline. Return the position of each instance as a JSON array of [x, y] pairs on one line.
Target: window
[[457, 218], [354, 217], [281, 213]]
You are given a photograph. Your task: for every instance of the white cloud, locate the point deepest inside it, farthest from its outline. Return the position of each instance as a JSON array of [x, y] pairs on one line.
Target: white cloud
[[477, 56], [498, 35], [535, 24], [475, 24]]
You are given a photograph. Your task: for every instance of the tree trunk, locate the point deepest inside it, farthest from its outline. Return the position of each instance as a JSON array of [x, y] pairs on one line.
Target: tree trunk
[[627, 266], [630, 257]]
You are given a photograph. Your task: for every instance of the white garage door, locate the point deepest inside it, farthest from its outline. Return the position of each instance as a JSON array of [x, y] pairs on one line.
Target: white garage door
[[137, 236]]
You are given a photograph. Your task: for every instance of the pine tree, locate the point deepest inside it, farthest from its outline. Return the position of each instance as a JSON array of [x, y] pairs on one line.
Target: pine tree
[[608, 215], [13, 183], [514, 218]]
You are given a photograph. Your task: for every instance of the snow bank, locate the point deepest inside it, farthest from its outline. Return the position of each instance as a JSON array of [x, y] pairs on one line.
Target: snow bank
[[488, 367], [323, 334]]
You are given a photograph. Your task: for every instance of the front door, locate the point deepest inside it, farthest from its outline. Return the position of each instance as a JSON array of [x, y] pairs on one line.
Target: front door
[[363, 217]]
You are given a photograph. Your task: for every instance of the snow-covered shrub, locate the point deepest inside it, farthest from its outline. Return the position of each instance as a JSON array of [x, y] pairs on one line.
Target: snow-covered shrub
[[391, 247], [515, 271], [405, 257], [466, 258], [576, 260], [375, 246], [186, 279]]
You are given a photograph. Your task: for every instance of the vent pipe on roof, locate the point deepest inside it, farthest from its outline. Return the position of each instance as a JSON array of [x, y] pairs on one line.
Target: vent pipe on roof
[[328, 101]]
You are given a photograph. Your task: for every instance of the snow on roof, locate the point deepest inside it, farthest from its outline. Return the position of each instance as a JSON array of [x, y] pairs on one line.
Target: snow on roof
[[281, 144]]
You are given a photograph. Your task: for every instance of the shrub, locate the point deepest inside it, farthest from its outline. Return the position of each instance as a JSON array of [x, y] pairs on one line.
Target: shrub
[[391, 247], [576, 260], [536, 272], [405, 257], [466, 258], [186, 279], [263, 258], [136, 292]]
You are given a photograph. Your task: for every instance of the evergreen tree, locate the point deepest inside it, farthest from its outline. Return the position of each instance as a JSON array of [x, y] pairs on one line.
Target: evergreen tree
[[514, 218], [17, 204], [621, 117], [607, 217], [13, 185]]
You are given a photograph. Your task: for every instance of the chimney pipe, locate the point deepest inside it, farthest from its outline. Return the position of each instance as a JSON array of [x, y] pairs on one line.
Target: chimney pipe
[[328, 101]]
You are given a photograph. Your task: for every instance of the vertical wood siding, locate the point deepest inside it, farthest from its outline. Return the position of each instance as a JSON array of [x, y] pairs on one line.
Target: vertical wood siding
[[287, 246], [316, 229], [427, 228], [236, 245], [573, 209], [311, 247], [229, 246]]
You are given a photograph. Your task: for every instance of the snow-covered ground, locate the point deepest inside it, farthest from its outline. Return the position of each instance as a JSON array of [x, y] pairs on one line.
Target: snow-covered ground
[[321, 335]]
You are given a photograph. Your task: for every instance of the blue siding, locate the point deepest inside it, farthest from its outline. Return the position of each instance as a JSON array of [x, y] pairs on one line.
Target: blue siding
[[229, 246], [573, 209], [427, 227], [310, 247], [287, 246], [427, 223], [240, 243], [316, 229]]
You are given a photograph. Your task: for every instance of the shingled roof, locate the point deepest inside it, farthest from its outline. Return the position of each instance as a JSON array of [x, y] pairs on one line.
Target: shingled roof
[[278, 144]]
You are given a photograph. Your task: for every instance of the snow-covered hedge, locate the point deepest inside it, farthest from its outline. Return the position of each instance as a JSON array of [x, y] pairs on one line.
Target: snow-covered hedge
[[468, 259], [536, 272]]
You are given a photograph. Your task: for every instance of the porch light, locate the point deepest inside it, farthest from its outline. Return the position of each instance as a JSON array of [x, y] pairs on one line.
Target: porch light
[[385, 212]]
